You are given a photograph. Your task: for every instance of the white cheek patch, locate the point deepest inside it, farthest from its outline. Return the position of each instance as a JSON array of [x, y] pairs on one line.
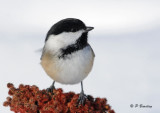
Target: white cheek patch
[[55, 42]]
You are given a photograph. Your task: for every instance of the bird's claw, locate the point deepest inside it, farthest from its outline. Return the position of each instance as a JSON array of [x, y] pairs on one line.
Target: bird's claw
[[50, 89], [82, 99]]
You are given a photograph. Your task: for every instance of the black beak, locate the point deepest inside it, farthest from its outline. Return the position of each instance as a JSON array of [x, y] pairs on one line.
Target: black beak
[[89, 29]]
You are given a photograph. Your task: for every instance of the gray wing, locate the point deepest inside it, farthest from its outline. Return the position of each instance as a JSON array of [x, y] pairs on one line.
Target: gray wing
[[43, 50], [92, 51]]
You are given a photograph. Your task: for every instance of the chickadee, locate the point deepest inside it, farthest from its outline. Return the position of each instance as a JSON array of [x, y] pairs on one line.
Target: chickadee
[[67, 57]]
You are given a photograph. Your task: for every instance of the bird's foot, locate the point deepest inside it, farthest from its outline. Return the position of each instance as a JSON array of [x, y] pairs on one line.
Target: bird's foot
[[50, 89], [82, 99]]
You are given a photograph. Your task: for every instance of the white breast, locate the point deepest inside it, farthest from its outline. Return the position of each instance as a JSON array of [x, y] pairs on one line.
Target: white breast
[[70, 70]]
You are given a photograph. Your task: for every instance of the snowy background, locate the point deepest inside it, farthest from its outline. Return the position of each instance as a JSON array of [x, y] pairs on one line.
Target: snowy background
[[126, 41]]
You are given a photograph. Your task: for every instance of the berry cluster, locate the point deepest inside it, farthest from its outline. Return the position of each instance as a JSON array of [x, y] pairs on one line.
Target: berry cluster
[[29, 99]]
